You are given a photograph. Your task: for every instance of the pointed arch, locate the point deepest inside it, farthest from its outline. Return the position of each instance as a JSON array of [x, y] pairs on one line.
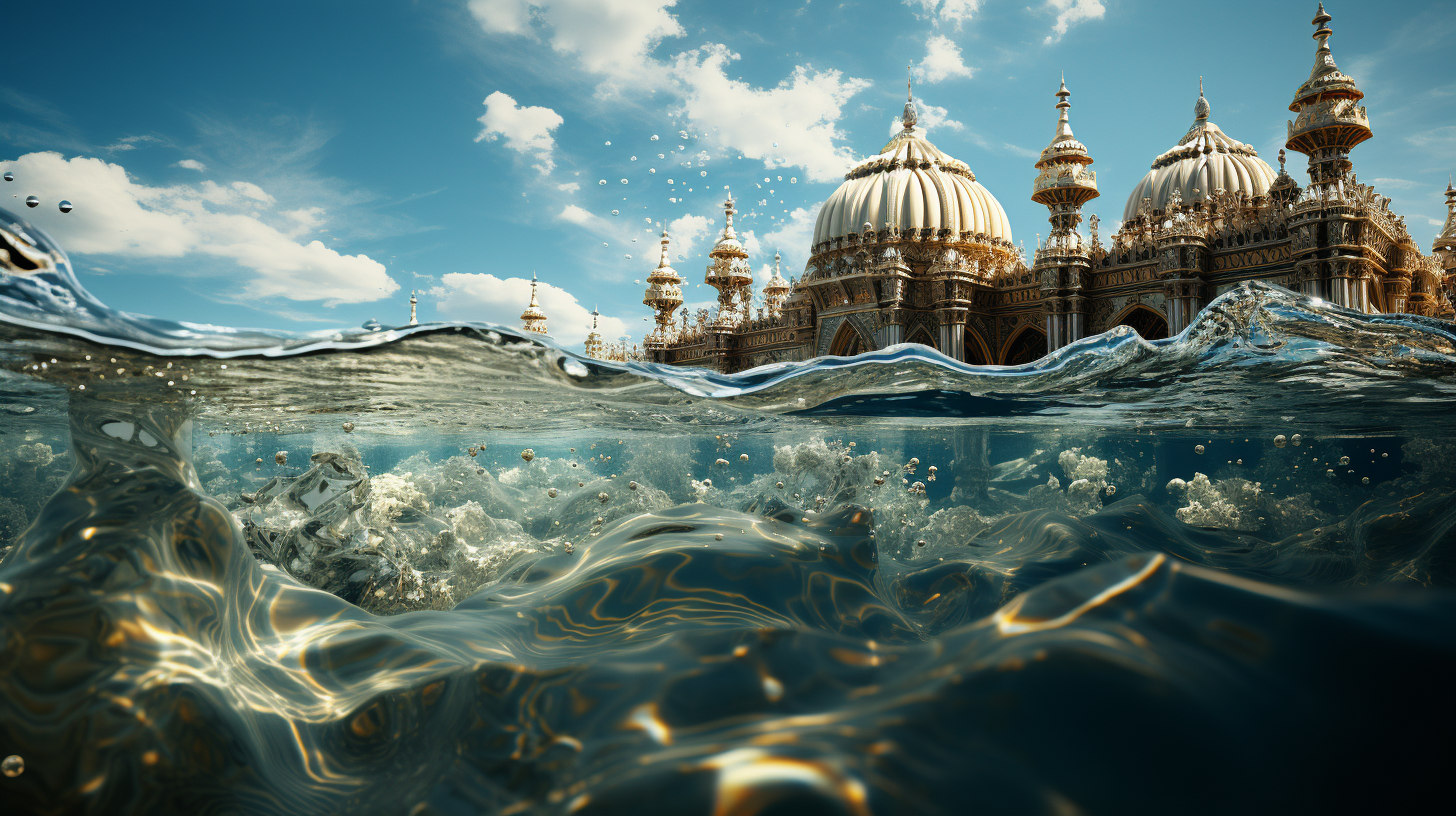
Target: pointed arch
[[976, 350], [849, 342], [1025, 346], [922, 336], [1143, 320]]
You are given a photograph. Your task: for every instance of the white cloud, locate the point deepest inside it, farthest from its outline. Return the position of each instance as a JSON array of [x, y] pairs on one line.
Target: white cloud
[[569, 187], [952, 12], [527, 130], [927, 118], [942, 60], [583, 217], [610, 37], [792, 238], [1394, 183], [191, 164], [794, 123], [686, 231], [1072, 11], [1441, 137], [482, 296], [117, 216]]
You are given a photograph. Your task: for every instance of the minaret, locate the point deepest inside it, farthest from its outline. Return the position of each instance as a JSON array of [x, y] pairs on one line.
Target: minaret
[[593, 344], [414, 321], [664, 295], [1329, 123], [533, 319], [1063, 184], [728, 272], [1329, 262], [908, 117], [1444, 247], [776, 291]]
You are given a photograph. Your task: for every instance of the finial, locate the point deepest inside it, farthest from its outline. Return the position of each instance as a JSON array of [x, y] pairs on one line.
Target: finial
[[1200, 108], [908, 118], [1281, 161]]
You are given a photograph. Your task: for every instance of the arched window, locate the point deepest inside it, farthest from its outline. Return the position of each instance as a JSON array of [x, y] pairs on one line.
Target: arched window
[[1145, 322], [848, 342]]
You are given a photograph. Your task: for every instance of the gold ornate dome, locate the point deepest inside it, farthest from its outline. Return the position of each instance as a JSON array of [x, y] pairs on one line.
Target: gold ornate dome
[[1204, 160], [912, 185]]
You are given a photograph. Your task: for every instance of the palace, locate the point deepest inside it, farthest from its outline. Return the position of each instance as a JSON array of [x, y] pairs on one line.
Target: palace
[[911, 248]]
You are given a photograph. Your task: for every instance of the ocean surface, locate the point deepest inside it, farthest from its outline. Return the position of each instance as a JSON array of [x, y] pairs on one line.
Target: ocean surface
[[449, 569]]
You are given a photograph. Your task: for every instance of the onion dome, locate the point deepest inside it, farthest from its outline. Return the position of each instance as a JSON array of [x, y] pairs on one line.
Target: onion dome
[[1203, 161], [913, 187], [533, 319], [776, 290], [594, 345]]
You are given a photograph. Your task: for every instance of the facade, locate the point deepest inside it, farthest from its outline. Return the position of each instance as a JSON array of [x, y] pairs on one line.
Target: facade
[[911, 248]]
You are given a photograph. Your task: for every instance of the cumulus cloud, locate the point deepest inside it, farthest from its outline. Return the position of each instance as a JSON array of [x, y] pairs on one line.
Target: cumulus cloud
[[687, 231], [942, 60], [118, 216], [610, 37], [795, 123], [191, 164], [526, 129], [1072, 11], [483, 296], [950, 12], [792, 239]]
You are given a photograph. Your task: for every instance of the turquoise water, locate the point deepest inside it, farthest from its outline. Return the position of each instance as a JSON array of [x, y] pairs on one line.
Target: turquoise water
[[447, 569]]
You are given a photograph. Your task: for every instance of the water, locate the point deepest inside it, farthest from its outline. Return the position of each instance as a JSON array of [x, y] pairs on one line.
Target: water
[[449, 569]]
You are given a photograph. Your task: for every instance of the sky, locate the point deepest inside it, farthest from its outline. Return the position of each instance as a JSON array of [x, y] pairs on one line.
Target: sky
[[307, 164]]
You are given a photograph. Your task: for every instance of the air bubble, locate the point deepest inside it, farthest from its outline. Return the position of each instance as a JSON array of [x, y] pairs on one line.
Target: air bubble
[[32, 201], [624, 181], [793, 179], [65, 206], [702, 173], [652, 169], [616, 212], [654, 137], [348, 427], [12, 765], [1280, 441], [634, 158], [9, 176], [603, 182], [628, 257], [776, 144], [1198, 449], [1296, 439], [609, 144]]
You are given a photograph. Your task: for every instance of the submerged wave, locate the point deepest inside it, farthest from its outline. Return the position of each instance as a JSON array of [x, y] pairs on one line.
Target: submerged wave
[[449, 569]]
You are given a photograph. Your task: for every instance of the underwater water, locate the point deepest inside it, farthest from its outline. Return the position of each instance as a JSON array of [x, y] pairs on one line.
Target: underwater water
[[447, 569]]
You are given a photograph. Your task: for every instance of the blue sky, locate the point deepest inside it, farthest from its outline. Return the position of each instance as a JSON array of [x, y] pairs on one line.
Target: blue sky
[[305, 165]]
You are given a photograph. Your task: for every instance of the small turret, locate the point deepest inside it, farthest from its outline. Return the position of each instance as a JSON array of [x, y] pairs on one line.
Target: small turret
[[728, 272], [593, 345], [1444, 247], [533, 319], [776, 291], [663, 296], [414, 321]]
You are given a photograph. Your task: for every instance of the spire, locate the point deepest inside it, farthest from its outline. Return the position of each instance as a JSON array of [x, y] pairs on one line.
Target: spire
[[1200, 108], [663, 296], [776, 290], [1064, 125], [908, 118], [1329, 122], [533, 319], [414, 321]]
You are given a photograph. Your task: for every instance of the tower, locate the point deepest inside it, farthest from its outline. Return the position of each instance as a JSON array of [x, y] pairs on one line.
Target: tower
[[1444, 247], [1329, 122], [533, 319], [728, 272], [1063, 184], [775, 291], [1329, 260], [664, 295], [593, 344], [414, 321]]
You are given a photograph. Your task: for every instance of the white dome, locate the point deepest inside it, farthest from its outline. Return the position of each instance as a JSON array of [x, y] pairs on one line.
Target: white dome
[[1204, 160], [912, 185]]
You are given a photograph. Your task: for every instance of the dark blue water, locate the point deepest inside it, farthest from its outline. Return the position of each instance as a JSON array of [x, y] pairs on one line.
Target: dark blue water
[[450, 570]]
